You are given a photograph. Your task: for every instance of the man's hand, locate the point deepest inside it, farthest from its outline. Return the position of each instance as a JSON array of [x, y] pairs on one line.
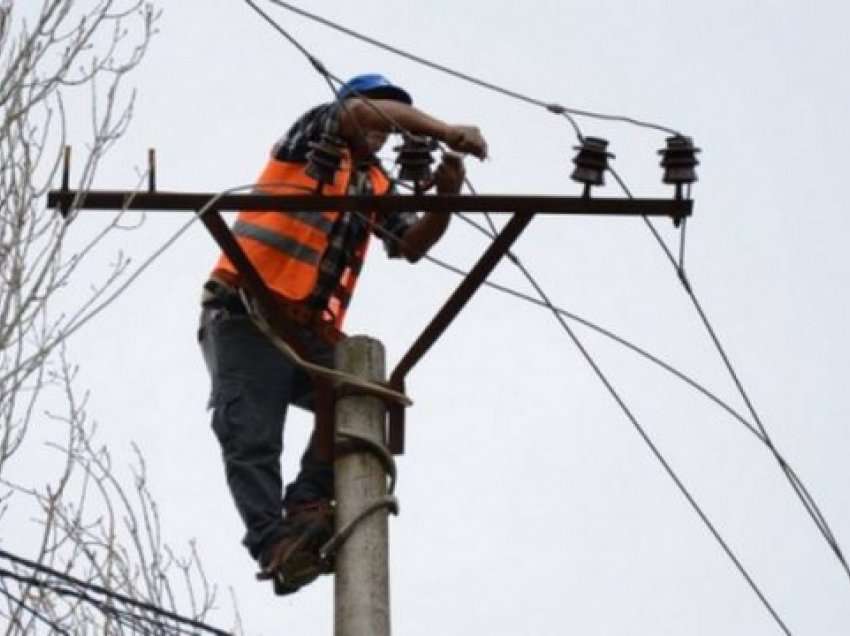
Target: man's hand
[[421, 236], [449, 175], [466, 139]]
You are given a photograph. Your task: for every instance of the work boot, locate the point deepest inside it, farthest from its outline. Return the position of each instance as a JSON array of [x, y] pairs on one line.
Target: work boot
[[294, 561]]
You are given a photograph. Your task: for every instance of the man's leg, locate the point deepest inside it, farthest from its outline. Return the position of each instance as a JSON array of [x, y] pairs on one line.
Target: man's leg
[[315, 480], [251, 388], [294, 561]]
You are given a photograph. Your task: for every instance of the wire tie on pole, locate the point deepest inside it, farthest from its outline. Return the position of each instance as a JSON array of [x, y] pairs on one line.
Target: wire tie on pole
[[680, 271]]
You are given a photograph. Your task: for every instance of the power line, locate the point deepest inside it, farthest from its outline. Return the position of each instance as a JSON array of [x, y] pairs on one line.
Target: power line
[[330, 78], [644, 436], [797, 483], [552, 107], [658, 455], [326, 74], [97, 589], [803, 494], [54, 626]]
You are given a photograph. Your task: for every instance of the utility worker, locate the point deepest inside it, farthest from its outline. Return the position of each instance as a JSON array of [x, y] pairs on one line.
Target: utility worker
[[310, 260]]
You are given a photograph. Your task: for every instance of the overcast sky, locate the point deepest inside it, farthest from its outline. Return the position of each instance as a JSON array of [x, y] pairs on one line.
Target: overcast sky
[[529, 503]]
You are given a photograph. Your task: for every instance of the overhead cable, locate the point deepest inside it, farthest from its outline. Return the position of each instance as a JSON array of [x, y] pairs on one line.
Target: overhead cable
[[53, 625], [552, 107], [642, 432], [159, 612], [659, 456], [796, 484], [327, 75]]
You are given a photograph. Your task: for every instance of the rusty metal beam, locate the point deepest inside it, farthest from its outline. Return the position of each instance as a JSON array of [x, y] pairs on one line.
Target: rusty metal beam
[[445, 203]]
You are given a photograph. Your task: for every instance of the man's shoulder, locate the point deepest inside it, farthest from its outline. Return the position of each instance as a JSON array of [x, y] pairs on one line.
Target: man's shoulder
[[319, 111], [294, 145], [319, 119]]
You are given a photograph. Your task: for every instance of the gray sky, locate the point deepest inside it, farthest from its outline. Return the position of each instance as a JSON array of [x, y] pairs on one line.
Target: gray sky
[[529, 504]]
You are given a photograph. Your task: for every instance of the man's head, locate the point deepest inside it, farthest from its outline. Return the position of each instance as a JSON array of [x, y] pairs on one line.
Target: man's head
[[375, 86]]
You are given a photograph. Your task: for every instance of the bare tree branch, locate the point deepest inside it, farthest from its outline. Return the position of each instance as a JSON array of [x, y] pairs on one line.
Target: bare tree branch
[[89, 525]]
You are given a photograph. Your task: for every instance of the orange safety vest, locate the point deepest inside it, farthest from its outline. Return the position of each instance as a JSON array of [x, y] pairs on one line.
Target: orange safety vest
[[287, 247]]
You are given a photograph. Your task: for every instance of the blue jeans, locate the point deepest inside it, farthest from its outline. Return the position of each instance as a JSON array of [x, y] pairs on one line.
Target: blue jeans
[[253, 384]]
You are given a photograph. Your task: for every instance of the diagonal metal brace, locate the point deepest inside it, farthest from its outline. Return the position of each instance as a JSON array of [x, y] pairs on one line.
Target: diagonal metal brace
[[440, 322]]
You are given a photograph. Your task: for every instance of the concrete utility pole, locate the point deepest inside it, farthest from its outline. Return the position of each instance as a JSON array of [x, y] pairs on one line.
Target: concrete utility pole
[[361, 584]]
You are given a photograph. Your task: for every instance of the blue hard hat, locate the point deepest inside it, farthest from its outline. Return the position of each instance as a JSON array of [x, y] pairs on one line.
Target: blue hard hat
[[375, 86]]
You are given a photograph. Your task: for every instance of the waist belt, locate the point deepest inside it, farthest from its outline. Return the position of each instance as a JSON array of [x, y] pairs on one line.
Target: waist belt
[[223, 295]]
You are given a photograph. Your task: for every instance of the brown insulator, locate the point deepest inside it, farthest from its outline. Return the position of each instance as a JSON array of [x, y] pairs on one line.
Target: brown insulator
[[415, 158], [325, 158], [591, 162], [679, 161]]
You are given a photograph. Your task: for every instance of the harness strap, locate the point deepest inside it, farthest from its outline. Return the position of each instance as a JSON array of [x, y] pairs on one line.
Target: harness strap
[[217, 290]]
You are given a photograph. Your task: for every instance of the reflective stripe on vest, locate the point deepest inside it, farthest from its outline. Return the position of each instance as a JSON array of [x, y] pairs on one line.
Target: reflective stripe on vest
[[313, 219], [284, 244]]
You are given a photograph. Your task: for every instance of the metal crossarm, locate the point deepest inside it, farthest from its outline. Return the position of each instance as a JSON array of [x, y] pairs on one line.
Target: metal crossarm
[[443, 203]]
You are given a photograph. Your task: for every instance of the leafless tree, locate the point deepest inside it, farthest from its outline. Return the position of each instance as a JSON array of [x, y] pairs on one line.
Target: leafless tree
[[99, 544]]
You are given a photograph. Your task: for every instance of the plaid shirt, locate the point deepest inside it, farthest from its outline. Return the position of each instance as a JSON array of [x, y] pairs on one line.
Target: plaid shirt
[[350, 228]]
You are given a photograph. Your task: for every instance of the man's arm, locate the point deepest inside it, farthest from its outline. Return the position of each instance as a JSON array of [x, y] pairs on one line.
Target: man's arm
[[421, 237], [357, 117]]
